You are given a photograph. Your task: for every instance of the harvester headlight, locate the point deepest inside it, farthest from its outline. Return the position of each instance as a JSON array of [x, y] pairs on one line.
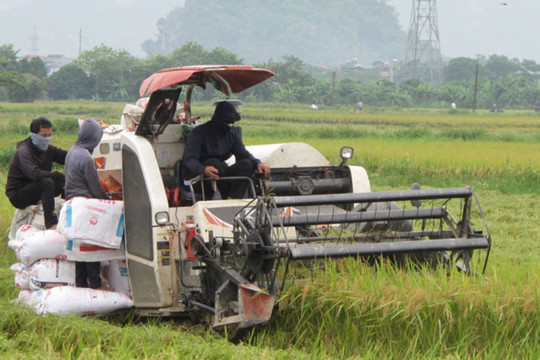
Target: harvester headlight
[[346, 152], [162, 217]]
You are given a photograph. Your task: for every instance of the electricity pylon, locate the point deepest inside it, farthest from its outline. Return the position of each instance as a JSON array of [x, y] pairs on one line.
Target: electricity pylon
[[423, 59]]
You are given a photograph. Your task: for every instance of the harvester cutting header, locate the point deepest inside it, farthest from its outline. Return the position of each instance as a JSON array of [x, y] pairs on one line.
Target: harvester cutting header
[[225, 260]]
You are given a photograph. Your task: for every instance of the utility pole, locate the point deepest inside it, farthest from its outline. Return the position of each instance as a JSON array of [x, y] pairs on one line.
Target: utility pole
[[475, 88], [423, 59], [333, 88], [80, 41]]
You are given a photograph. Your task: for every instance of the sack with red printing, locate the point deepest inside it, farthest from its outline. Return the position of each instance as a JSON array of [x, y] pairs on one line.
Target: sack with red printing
[[22, 276], [31, 215], [24, 231], [93, 221], [48, 273], [79, 251], [65, 300], [35, 245]]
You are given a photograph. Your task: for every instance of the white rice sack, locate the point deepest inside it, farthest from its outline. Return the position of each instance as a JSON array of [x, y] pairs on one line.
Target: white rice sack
[[41, 244], [48, 273], [93, 221], [22, 276], [18, 267], [116, 274], [79, 251], [65, 300], [31, 215], [22, 280], [24, 231], [25, 297]]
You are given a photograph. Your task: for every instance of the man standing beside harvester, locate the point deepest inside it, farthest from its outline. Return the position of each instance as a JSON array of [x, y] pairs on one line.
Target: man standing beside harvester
[[82, 180]]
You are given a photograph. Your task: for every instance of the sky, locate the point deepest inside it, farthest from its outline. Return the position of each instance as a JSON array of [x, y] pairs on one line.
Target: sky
[[483, 27], [466, 27], [60, 26]]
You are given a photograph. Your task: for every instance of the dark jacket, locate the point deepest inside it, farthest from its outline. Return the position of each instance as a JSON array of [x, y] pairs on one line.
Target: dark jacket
[[81, 174], [214, 140], [30, 164]]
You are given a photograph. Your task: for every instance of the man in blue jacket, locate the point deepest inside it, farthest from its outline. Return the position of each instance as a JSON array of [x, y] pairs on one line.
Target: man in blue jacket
[[30, 177], [209, 146]]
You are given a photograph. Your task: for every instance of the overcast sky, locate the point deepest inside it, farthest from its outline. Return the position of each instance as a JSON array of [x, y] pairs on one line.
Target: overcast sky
[[466, 27], [485, 27]]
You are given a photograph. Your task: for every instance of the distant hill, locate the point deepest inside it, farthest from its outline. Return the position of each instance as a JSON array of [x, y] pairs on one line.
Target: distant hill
[[316, 31]]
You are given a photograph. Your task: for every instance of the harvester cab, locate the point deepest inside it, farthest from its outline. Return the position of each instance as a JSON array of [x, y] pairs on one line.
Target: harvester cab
[[222, 260]]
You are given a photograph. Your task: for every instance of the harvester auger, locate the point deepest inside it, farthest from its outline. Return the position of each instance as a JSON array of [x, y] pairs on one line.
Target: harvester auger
[[366, 225]]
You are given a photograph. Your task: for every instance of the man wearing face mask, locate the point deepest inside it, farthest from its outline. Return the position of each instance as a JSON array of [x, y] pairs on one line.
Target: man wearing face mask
[[208, 147], [30, 177]]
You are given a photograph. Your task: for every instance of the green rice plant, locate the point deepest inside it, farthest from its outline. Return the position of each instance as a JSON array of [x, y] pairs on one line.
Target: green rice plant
[[465, 134], [418, 312], [412, 132], [347, 309]]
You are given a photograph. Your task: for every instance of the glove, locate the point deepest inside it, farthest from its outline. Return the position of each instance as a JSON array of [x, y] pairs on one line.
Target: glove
[[57, 176]]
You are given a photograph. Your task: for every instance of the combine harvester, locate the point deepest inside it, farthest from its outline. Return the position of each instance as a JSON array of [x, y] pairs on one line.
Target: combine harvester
[[225, 260]]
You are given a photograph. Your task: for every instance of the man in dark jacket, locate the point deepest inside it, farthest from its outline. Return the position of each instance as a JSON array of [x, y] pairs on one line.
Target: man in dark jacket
[[208, 147], [30, 176]]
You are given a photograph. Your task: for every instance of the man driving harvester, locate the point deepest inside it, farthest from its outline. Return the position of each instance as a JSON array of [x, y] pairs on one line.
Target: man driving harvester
[[209, 146]]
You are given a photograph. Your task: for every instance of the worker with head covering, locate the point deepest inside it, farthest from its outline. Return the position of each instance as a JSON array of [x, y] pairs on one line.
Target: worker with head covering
[[82, 180], [209, 146]]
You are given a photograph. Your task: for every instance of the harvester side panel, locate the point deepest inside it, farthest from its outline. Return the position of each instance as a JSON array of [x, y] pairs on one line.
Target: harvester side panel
[[148, 245]]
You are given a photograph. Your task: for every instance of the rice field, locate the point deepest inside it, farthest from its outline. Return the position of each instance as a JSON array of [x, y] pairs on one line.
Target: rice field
[[348, 310]]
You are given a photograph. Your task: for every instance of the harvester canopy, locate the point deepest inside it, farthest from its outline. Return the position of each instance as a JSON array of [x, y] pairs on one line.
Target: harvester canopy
[[228, 79]]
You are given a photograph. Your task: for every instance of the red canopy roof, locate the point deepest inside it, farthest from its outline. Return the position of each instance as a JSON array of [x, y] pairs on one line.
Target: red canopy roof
[[227, 78]]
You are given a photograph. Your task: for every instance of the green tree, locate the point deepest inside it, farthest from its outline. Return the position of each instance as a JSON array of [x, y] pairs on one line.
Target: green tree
[[513, 92], [190, 53], [28, 88], [421, 93], [34, 66], [8, 70], [109, 68], [460, 69], [348, 91], [386, 93], [221, 56], [456, 92], [8, 58], [69, 83], [497, 67]]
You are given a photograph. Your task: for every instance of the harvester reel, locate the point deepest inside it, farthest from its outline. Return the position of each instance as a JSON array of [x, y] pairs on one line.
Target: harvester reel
[[249, 255]]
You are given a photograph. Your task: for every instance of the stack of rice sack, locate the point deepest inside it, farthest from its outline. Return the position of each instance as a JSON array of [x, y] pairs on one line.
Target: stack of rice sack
[[88, 230], [32, 215]]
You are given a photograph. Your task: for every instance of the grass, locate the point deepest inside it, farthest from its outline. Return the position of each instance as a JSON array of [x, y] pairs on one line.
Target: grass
[[348, 310]]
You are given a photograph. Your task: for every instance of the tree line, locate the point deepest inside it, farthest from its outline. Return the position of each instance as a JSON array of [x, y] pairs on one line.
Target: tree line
[[107, 74]]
